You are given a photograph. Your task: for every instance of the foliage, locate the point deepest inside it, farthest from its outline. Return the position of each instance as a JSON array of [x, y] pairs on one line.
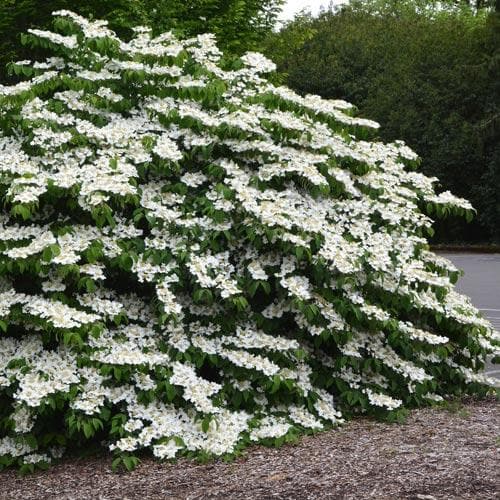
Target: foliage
[[280, 44], [238, 24], [428, 75], [193, 259]]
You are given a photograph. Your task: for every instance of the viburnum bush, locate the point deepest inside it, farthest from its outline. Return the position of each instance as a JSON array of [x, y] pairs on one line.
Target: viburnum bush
[[193, 259]]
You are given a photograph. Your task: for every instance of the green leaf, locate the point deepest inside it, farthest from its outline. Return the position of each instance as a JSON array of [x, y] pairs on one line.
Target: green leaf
[[276, 384], [130, 462], [47, 254], [88, 430], [171, 391], [115, 464], [205, 424]]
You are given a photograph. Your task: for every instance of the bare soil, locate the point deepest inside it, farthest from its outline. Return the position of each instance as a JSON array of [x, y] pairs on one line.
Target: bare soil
[[438, 453]]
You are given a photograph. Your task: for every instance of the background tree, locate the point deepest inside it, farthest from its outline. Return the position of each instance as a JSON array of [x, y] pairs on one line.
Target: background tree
[[488, 191], [428, 75], [239, 25]]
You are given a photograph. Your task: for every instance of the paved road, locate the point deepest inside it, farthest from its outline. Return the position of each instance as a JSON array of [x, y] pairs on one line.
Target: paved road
[[481, 283]]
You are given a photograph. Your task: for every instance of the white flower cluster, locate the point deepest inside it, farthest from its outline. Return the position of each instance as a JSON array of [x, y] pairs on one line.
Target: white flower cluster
[[205, 260], [382, 400], [270, 427], [196, 389], [446, 198]]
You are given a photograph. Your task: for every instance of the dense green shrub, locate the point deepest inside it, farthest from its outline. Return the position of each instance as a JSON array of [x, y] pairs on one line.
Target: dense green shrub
[[428, 76], [193, 259]]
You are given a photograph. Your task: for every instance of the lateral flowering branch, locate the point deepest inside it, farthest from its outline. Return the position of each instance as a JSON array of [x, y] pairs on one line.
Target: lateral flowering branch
[[193, 259]]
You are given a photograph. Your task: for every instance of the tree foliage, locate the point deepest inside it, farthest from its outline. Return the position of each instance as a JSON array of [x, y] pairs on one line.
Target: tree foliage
[[429, 76], [193, 259]]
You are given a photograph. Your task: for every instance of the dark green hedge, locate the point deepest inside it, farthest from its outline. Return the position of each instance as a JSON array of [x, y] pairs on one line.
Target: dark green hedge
[[430, 78]]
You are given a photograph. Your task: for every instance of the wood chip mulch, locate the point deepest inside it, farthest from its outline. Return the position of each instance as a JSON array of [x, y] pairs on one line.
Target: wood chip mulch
[[437, 454]]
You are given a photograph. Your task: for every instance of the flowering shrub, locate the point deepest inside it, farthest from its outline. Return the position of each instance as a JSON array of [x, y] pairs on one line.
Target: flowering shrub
[[193, 259]]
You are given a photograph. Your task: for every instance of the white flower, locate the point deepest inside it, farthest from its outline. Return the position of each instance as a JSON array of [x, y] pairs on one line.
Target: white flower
[[270, 427], [193, 179], [167, 149], [383, 400], [298, 286], [256, 271], [168, 450], [70, 42], [258, 62]]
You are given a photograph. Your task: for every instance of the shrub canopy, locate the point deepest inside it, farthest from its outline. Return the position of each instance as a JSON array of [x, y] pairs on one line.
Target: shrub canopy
[[193, 259], [239, 25]]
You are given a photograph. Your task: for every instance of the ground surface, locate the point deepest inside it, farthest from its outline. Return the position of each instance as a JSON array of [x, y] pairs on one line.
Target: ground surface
[[437, 454], [481, 282]]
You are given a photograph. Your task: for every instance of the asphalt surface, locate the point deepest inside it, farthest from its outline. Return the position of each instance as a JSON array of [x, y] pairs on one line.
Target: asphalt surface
[[481, 282]]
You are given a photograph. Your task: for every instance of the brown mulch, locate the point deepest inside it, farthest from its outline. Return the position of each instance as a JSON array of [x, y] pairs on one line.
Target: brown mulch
[[437, 454]]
